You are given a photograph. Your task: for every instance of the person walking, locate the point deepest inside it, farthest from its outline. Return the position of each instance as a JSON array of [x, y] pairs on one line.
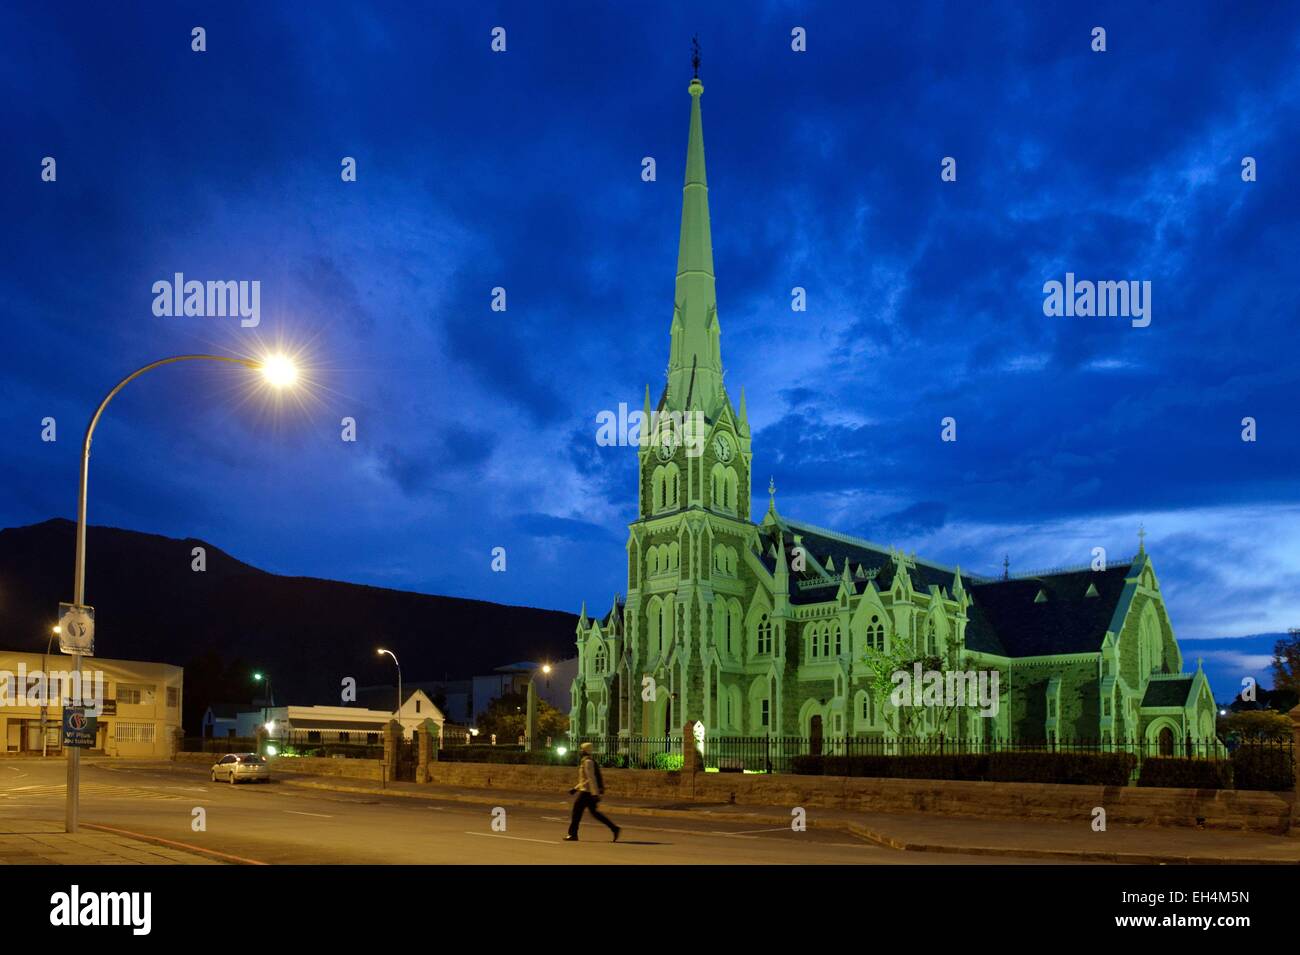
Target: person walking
[[590, 787]]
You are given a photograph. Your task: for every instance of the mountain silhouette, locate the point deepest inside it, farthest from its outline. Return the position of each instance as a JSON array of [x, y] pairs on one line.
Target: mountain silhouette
[[223, 623]]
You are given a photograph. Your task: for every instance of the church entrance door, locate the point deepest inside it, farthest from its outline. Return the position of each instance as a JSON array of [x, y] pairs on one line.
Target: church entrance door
[[1165, 742]]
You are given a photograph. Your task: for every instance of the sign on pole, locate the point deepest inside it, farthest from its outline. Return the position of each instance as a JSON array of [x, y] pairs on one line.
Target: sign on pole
[[77, 629], [78, 728]]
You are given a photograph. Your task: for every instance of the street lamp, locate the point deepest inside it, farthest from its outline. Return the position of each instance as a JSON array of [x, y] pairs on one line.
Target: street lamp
[[381, 652], [279, 371], [269, 697], [45, 699]]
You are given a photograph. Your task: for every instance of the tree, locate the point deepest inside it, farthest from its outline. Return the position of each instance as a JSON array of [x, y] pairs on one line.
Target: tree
[[907, 721], [507, 717], [1286, 663], [1256, 724]]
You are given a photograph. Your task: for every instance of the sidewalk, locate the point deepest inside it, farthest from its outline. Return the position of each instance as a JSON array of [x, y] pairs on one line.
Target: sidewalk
[[913, 832], [45, 843]]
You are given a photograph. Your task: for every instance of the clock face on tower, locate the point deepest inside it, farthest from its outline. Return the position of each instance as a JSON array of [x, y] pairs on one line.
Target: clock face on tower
[[722, 447]]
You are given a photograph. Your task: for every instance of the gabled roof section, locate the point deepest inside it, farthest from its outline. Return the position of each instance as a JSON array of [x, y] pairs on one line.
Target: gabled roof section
[[1065, 620], [824, 547], [1168, 692]]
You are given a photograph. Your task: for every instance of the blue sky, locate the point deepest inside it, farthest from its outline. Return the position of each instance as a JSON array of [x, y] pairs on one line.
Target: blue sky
[[476, 429]]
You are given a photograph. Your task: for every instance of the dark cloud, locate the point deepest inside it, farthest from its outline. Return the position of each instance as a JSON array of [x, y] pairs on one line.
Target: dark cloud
[[924, 297], [563, 528]]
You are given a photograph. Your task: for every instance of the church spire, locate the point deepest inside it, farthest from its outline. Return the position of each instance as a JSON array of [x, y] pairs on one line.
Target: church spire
[[695, 361]]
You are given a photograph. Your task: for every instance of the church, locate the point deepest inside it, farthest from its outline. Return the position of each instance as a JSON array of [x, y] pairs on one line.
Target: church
[[776, 627]]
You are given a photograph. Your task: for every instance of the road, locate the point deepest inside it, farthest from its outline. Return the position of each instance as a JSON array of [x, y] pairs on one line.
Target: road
[[279, 823]]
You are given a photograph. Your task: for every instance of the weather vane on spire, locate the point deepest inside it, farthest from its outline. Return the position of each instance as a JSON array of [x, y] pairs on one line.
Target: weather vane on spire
[[695, 54]]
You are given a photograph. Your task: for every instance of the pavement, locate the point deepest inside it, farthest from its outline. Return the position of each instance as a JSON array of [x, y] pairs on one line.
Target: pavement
[[907, 832], [38, 842], [144, 811]]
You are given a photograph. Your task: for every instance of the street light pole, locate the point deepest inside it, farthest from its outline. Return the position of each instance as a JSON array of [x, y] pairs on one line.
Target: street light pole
[[398, 714], [279, 372], [269, 698], [45, 698]]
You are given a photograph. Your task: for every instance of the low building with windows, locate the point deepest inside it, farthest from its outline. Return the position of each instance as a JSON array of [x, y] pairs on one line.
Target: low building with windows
[[362, 722], [140, 714], [221, 720]]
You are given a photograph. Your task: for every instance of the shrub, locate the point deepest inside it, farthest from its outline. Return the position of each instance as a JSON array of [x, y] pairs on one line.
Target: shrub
[[808, 765], [672, 762], [1097, 769], [1071, 769], [1263, 767], [1178, 772]]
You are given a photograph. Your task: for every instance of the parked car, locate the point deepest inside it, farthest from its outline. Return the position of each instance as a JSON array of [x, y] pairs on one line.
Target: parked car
[[241, 767]]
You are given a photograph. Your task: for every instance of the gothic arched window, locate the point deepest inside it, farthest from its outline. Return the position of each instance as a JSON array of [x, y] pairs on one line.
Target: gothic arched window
[[733, 628], [671, 475], [764, 634], [876, 634]]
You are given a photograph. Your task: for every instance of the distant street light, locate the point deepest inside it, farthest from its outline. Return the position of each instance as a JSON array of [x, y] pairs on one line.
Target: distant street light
[[279, 371], [268, 698], [45, 699]]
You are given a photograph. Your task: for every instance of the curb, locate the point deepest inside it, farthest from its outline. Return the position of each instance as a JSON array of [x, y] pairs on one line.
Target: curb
[[1076, 855], [172, 844]]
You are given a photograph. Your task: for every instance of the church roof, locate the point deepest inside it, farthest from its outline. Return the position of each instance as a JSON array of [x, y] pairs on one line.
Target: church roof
[[1065, 620], [1036, 615], [1168, 692]]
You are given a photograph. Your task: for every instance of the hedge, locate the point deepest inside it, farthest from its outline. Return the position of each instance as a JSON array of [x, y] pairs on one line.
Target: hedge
[[1178, 772], [1097, 769], [504, 755], [1263, 767]]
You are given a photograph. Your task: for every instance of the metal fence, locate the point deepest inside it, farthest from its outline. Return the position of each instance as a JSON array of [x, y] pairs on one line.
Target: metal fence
[[218, 744], [354, 744], [776, 754]]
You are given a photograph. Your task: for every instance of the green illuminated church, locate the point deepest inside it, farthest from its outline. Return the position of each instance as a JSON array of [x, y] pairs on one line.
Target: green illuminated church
[[771, 626]]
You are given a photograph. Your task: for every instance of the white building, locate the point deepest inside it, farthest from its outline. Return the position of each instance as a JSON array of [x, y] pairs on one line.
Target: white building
[[140, 712], [354, 724]]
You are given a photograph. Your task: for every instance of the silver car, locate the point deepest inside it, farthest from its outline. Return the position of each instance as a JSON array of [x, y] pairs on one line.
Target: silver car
[[241, 767]]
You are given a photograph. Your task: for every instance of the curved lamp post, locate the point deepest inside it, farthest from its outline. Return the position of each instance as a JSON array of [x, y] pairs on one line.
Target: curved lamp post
[[398, 713], [278, 371]]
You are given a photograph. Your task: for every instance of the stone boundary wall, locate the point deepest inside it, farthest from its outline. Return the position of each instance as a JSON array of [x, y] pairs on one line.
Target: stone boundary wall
[[312, 765], [1126, 805]]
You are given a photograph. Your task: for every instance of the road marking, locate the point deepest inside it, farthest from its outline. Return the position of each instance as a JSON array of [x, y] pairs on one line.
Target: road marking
[[553, 818], [172, 842], [497, 835], [104, 790], [741, 832], [318, 815]]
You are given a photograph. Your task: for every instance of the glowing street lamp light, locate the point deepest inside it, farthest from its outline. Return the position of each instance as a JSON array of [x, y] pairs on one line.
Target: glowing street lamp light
[[280, 372]]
